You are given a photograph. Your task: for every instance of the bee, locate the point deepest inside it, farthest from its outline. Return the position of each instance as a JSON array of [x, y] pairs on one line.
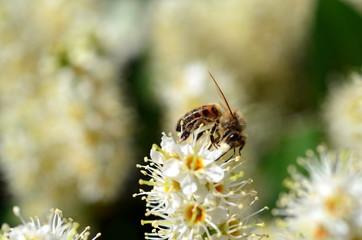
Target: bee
[[226, 126]]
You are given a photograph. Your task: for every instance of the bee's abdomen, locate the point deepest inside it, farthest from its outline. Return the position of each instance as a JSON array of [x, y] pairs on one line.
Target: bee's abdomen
[[210, 112]]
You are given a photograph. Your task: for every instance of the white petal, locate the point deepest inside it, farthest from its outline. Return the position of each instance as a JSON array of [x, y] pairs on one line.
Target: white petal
[[171, 168], [156, 156], [188, 184], [214, 173], [176, 201], [167, 143], [218, 215], [186, 149], [201, 193], [212, 155]]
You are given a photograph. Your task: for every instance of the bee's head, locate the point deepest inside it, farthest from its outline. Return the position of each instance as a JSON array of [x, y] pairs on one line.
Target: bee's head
[[235, 140]]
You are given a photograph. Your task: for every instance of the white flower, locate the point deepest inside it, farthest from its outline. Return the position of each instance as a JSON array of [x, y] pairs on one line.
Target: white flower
[[56, 228], [327, 204], [65, 77], [343, 113], [192, 165], [197, 192]]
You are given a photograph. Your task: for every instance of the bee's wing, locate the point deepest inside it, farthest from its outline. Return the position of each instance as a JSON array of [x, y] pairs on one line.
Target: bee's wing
[[221, 94]]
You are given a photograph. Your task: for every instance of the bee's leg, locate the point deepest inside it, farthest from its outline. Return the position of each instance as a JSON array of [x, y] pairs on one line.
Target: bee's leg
[[202, 121], [193, 125], [212, 132], [226, 133], [231, 156], [185, 135], [215, 140], [214, 128], [222, 156], [187, 130], [224, 153]]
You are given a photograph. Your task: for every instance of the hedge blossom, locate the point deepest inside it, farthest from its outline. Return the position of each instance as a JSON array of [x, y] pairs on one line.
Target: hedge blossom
[[326, 204], [197, 192], [343, 113], [55, 228], [63, 120]]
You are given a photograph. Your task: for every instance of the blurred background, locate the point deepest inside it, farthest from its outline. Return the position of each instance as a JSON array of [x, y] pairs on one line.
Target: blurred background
[[86, 88]]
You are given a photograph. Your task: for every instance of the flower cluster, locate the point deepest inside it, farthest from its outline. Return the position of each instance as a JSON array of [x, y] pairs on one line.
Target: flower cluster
[[63, 123], [327, 204], [198, 192], [343, 107], [56, 228]]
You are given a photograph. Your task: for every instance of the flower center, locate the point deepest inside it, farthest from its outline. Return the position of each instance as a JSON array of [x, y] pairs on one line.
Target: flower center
[[194, 214], [194, 163], [321, 232], [337, 204], [174, 186]]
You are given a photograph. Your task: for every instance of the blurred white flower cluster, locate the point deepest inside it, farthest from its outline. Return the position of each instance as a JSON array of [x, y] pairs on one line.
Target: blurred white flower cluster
[[197, 192], [55, 228], [325, 204], [63, 119], [343, 113]]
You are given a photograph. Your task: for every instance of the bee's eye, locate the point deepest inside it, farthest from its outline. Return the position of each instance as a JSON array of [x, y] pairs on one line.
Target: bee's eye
[[234, 137]]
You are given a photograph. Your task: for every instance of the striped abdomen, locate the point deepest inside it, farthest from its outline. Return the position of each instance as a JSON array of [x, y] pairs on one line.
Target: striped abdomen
[[204, 114]]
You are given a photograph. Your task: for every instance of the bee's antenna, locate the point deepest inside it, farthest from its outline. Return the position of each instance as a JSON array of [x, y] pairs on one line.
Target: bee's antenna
[[221, 94]]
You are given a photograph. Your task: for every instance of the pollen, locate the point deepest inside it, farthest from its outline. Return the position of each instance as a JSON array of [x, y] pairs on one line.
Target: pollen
[[194, 163], [219, 188], [194, 214], [321, 233]]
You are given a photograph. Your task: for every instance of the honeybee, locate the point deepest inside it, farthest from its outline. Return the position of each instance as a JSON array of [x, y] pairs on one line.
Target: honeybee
[[226, 126]]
